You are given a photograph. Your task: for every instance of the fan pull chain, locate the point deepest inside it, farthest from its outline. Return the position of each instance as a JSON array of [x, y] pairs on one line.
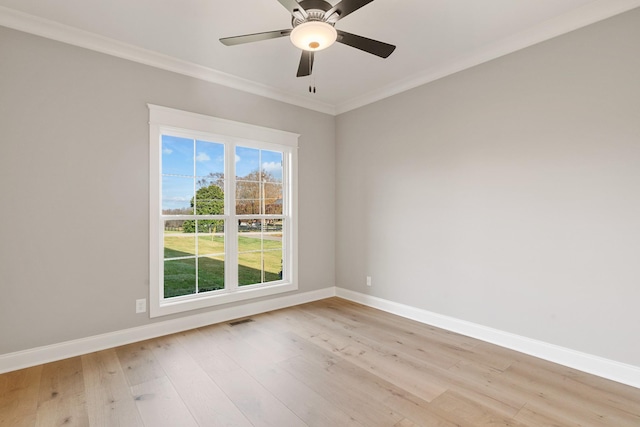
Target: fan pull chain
[[312, 85]]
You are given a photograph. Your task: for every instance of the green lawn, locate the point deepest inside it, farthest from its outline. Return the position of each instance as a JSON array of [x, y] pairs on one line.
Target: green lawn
[[180, 276]]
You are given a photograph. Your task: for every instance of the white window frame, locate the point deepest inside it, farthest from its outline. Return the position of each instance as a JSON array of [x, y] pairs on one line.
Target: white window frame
[[164, 120]]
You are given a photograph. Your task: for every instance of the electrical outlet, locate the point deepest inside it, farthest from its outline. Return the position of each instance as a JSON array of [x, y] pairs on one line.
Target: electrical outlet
[[368, 280], [141, 305]]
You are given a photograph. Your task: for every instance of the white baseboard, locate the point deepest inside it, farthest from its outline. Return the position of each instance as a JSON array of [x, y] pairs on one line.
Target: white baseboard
[[606, 368], [50, 353], [610, 369]]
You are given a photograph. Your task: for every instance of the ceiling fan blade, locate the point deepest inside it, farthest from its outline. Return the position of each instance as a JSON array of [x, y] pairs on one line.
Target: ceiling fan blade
[[381, 49], [292, 6], [306, 64], [249, 38], [345, 7]]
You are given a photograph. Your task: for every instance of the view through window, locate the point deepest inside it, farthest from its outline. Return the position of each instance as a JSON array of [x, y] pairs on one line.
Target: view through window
[[225, 214]]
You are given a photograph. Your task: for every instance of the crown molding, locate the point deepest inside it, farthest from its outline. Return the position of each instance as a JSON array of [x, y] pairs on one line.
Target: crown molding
[[593, 12], [581, 17], [63, 33]]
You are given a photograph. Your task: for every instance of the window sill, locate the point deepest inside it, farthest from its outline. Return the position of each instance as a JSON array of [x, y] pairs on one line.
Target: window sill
[[173, 306]]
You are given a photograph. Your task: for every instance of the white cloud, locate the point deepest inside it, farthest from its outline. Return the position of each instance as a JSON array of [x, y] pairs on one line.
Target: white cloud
[[271, 166], [167, 151], [238, 158], [203, 157]]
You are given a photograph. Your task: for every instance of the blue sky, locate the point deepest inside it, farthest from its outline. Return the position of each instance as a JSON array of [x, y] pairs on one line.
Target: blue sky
[[248, 160], [179, 173]]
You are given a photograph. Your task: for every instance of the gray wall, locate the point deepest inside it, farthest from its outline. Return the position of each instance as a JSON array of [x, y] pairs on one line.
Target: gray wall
[[508, 194], [74, 185]]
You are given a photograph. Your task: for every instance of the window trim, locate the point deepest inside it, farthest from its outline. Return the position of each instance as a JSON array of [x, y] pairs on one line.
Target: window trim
[[168, 119]]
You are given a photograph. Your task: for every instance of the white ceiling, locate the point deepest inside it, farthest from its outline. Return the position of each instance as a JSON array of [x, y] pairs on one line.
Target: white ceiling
[[433, 38]]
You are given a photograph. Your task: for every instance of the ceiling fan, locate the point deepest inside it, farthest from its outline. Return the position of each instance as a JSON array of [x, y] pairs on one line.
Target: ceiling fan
[[313, 29]]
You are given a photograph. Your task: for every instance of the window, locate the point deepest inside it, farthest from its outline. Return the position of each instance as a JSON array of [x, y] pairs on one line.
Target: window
[[222, 211]]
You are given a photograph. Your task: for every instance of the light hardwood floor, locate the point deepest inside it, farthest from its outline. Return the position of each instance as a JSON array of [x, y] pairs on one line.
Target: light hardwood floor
[[327, 363]]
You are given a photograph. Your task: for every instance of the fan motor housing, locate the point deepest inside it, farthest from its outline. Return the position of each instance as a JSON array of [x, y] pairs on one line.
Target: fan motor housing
[[313, 23], [315, 10]]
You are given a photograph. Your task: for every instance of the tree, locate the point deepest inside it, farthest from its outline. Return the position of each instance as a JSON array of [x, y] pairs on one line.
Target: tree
[[248, 198], [208, 201], [214, 178]]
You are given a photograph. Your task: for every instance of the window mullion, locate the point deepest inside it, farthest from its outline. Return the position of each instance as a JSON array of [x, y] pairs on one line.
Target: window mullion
[[286, 213], [195, 212], [231, 236], [261, 195]]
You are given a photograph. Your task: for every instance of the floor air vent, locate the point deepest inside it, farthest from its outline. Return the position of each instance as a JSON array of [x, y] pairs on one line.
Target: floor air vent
[[240, 322]]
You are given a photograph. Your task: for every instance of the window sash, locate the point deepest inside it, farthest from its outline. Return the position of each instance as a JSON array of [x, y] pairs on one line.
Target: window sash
[[165, 121]]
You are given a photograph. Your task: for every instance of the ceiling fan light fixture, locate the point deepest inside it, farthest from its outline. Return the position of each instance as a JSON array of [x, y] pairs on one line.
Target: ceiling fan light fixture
[[313, 35]]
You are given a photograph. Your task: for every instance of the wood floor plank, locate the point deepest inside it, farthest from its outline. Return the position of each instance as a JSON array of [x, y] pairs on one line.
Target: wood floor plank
[[431, 343], [463, 411], [373, 388], [543, 403], [204, 350], [568, 400], [281, 326], [330, 362], [417, 347], [62, 399], [398, 325], [534, 418], [307, 404], [160, 405], [243, 352], [479, 382], [567, 380], [19, 392], [260, 406], [341, 393], [208, 404], [109, 399], [389, 366], [494, 398], [366, 384], [363, 384], [64, 410], [392, 367], [138, 363], [265, 352], [406, 423]]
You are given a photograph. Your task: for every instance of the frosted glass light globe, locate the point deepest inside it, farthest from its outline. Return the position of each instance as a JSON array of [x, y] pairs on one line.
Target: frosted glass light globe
[[313, 35]]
